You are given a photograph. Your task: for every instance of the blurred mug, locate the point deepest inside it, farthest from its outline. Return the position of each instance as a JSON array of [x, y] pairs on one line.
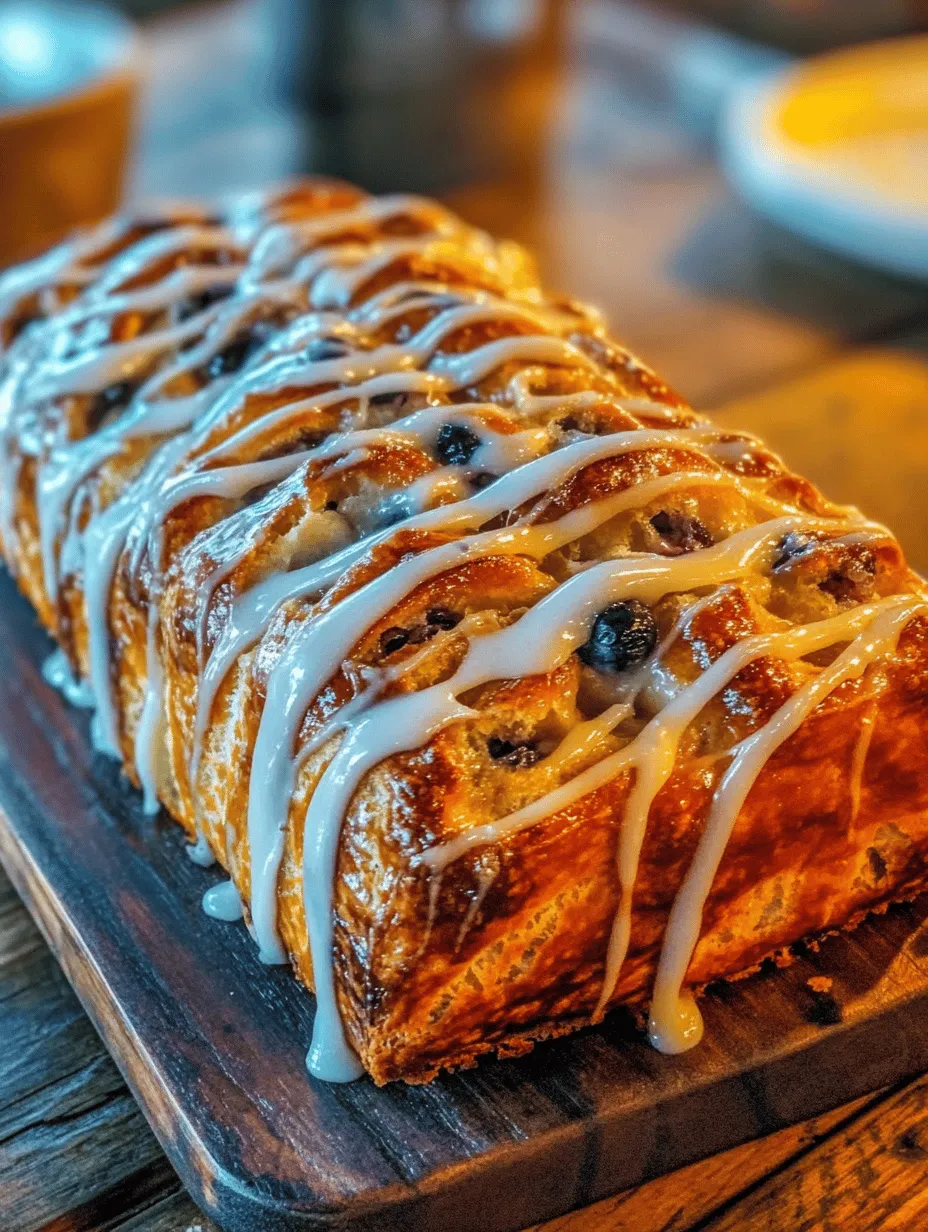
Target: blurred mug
[[68, 83], [421, 95]]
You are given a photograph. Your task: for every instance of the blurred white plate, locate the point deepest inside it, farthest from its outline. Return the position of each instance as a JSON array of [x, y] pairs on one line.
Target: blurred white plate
[[837, 149]]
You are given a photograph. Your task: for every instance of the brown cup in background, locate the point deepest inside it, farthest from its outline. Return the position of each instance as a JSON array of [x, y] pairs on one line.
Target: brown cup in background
[[422, 95], [63, 158]]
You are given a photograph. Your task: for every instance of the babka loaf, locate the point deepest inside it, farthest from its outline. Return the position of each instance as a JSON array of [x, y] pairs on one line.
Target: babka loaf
[[506, 689]]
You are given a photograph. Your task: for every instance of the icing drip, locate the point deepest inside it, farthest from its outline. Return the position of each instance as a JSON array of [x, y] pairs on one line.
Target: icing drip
[[147, 736], [223, 902], [200, 853], [859, 759], [282, 244], [60, 675]]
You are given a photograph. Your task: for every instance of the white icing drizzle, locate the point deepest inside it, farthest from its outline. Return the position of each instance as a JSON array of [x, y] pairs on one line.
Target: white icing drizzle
[[58, 481], [86, 374], [178, 240], [283, 243], [587, 736], [104, 539], [188, 280], [72, 262], [393, 369], [148, 742], [61, 474]]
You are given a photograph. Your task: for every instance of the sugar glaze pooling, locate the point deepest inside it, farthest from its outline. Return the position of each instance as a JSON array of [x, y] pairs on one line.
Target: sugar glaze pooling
[[309, 271]]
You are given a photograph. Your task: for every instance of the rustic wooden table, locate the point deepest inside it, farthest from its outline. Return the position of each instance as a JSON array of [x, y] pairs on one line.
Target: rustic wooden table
[[829, 363]]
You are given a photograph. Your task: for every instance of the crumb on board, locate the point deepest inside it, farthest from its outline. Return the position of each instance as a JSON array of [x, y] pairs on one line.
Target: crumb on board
[[821, 983]]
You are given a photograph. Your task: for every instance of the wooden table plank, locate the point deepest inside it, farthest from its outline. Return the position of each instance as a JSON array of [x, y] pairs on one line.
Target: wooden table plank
[[70, 1132], [685, 1198], [872, 1176], [174, 1212]]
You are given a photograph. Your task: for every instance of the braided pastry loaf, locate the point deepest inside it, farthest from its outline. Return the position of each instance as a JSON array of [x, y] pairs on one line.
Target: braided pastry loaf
[[505, 687]]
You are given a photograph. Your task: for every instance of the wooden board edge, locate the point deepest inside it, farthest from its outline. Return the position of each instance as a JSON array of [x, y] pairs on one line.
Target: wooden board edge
[[216, 1192]]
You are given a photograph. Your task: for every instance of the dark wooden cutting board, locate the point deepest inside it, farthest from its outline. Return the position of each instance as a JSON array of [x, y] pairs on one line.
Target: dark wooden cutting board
[[212, 1043]]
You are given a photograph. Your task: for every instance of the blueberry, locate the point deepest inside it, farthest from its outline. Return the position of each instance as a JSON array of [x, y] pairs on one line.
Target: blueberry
[[442, 617], [201, 300], [520, 754], [623, 634], [234, 354], [393, 639], [483, 480], [229, 359], [681, 532], [436, 619], [792, 545], [456, 444], [112, 398], [325, 348]]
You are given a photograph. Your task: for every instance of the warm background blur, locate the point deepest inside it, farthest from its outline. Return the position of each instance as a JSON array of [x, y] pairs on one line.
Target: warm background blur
[[585, 128], [589, 130]]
